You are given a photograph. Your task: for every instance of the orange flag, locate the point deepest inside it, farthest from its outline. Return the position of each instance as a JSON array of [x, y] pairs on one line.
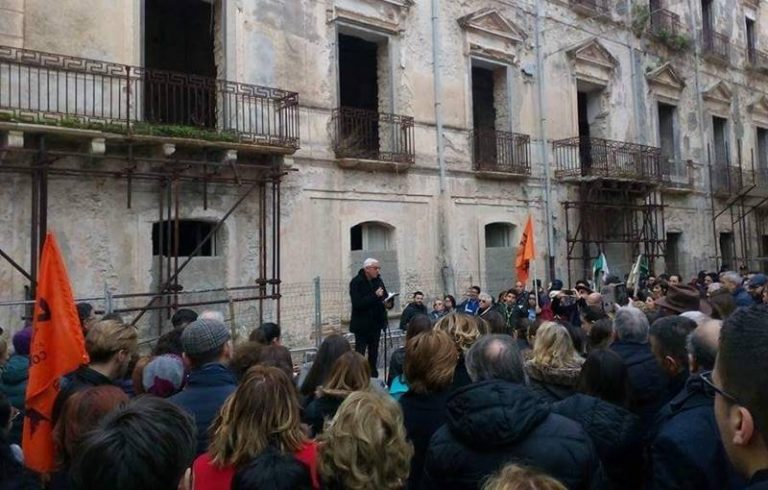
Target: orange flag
[[57, 348], [525, 253]]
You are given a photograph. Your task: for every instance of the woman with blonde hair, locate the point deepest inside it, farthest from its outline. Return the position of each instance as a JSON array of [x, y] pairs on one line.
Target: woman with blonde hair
[[464, 330], [554, 366], [262, 413], [365, 446], [514, 477], [350, 373]]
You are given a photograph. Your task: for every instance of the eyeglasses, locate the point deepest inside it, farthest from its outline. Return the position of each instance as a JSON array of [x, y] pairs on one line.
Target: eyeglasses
[[707, 378]]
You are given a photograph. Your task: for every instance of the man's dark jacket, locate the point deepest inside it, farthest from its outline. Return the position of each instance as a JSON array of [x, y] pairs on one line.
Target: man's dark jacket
[[82, 377], [409, 312], [759, 481], [203, 396], [492, 423], [368, 311], [422, 416], [647, 382], [687, 452], [615, 433]]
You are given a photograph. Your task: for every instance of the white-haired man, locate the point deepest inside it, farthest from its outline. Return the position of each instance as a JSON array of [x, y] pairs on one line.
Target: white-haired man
[[369, 312]]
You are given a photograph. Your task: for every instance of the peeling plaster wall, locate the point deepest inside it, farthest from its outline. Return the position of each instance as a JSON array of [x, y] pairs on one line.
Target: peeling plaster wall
[[292, 45]]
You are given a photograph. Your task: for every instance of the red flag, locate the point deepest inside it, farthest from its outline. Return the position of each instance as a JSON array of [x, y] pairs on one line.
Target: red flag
[[525, 253], [57, 348]]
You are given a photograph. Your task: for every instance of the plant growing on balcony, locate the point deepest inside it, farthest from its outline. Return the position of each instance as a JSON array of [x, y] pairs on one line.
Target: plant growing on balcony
[[641, 14]]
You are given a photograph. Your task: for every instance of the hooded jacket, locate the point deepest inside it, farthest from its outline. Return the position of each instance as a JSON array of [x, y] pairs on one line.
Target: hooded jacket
[[495, 422], [552, 384], [615, 433], [368, 312], [205, 392], [13, 383]]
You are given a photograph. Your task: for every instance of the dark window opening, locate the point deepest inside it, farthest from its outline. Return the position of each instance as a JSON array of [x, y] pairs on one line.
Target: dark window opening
[[484, 116], [191, 234], [358, 73], [588, 110], [359, 97], [727, 250], [720, 128], [751, 38], [672, 253], [762, 150], [667, 136], [706, 16], [179, 38], [356, 237]]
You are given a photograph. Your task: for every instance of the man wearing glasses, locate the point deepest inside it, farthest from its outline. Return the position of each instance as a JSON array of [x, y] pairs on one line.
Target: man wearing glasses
[[369, 311], [740, 383]]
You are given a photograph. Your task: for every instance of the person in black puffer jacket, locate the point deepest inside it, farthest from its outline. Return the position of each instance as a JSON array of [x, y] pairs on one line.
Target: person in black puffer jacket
[[600, 408], [498, 420]]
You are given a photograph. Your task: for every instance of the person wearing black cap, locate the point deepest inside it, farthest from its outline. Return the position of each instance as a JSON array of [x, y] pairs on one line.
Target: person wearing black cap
[[207, 350]]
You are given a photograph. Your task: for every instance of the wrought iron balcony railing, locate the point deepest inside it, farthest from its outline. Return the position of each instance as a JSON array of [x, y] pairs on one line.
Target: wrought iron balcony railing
[[665, 23], [715, 45], [594, 7], [62, 90], [595, 157], [371, 135], [500, 151], [731, 180]]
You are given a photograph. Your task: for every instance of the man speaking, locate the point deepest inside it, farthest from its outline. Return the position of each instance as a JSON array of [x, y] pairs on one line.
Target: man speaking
[[369, 312]]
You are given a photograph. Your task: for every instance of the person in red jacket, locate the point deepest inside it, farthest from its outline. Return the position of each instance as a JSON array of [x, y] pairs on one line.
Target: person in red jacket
[[261, 415]]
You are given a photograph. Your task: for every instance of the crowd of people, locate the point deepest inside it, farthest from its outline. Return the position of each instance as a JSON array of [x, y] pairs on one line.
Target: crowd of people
[[661, 387]]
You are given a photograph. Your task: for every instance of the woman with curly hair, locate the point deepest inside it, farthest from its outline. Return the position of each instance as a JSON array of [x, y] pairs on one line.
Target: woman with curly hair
[[514, 477], [262, 413], [464, 330], [555, 365], [365, 446], [350, 373]]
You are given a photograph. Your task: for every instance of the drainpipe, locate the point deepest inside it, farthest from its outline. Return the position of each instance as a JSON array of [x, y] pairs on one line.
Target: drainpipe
[[442, 228], [543, 143]]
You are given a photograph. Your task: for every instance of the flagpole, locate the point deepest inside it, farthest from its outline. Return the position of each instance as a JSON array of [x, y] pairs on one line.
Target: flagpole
[[535, 290]]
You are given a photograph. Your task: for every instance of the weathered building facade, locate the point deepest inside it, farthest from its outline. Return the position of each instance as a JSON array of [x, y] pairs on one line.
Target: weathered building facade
[[627, 126]]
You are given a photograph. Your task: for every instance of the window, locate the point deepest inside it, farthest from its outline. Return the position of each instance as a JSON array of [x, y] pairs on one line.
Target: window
[[720, 130], [751, 38], [498, 235], [178, 37], [358, 73], [191, 234], [672, 253], [762, 150], [667, 118], [764, 253], [727, 251], [370, 236], [706, 15]]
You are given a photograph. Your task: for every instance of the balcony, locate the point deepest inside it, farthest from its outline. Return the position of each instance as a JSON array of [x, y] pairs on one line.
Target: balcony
[[757, 60], [592, 8], [731, 180], [365, 138], [667, 28], [715, 46], [64, 91], [584, 158], [677, 175], [500, 154]]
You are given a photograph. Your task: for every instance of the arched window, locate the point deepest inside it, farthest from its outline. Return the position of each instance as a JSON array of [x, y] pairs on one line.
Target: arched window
[[371, 236], [498, 235]]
